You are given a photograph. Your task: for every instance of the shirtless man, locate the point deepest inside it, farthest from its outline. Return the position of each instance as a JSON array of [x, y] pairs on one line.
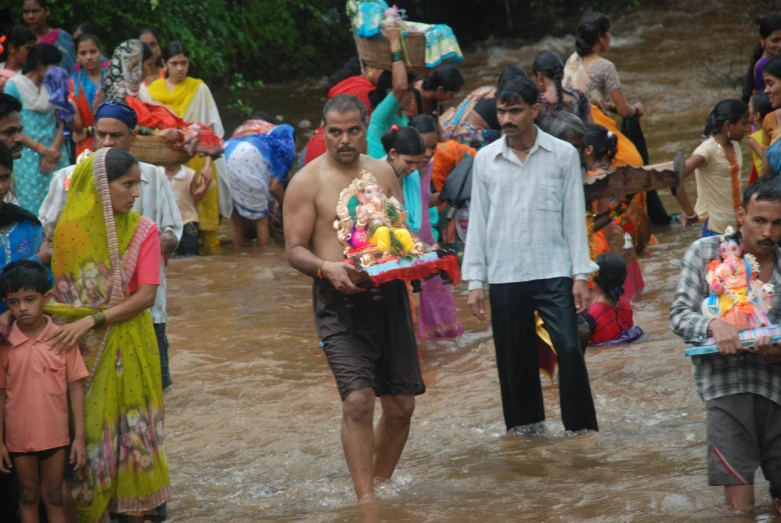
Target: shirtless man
[[370, 344]]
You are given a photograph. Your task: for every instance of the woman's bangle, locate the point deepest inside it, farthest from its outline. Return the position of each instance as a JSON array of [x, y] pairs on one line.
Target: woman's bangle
[[320, 270], [37, 147], [396, 56], [100, 319], [693, 216]]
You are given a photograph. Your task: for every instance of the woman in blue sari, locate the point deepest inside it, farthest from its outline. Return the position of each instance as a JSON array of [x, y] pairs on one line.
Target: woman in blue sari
[[258, 158], [45, 149]]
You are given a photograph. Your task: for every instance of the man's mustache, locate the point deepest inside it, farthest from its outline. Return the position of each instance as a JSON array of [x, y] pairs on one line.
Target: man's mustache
[[766, 242], [346, 148], [509, 126]]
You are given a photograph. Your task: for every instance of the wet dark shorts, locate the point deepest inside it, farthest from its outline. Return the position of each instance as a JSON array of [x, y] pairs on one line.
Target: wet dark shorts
[[744, 432], [40, 454], [368, 343]]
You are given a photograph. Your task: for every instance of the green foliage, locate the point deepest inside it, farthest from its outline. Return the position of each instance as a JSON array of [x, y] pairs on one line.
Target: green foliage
[[270, 39], [238, 86]]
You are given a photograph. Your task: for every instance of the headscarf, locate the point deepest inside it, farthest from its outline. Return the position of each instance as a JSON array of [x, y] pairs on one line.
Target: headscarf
[[277, 147], [125, 73], [57, 82], [89, 241], [119, 111]]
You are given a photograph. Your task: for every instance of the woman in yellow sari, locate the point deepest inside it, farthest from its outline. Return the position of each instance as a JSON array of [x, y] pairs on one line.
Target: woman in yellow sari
[[192, 100], [106, 267]]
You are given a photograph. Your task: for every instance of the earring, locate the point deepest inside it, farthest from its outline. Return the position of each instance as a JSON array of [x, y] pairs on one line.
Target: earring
[[729, 136]]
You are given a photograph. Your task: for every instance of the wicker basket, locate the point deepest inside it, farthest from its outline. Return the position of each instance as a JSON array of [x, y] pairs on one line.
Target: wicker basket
[[376, 52], [154, 150]]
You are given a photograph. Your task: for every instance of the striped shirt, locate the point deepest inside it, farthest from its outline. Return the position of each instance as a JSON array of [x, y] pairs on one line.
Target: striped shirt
[[716, 375]]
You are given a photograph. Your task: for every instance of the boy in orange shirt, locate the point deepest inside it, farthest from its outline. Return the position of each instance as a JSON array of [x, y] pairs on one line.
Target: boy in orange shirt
[[33, 404]]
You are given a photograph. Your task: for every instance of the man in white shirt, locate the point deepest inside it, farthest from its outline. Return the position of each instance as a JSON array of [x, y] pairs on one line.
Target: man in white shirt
[[115, 125], [527, 239]]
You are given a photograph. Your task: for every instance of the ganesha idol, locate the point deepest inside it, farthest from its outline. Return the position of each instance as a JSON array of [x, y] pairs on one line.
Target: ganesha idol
[[372, 228], [737, 296]]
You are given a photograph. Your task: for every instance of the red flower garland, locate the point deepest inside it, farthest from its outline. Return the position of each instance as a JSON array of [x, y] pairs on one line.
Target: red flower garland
[[620, 216]]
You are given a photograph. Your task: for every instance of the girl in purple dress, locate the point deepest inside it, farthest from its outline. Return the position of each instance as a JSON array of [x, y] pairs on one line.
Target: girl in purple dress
[[438, 316]]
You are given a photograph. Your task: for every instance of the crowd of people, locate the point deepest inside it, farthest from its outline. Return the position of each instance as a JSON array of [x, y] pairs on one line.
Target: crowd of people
[[109, 166]]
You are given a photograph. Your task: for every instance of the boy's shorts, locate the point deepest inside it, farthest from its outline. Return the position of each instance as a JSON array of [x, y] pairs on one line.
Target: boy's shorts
[[369, 343], [40, 454], [744, 432]]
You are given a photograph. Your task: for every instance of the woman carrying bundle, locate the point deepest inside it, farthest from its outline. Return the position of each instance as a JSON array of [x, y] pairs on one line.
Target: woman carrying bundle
[[191, 100]]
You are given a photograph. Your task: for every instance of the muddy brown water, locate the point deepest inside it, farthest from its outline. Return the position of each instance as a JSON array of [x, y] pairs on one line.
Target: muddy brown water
[[252, 422]]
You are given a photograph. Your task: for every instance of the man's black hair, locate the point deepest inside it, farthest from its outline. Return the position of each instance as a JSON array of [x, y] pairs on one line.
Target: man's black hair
[[766, 189], [344, 103], [8, 105], [23, 275], [516, 89]]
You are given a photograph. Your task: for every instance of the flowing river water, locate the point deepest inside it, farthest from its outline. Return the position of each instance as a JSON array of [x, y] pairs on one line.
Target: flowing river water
[[252, 422]]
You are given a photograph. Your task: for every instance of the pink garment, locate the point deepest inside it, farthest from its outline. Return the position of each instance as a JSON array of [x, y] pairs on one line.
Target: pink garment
[[438, 314], [148, 265], [634, 283], [5, 75], [36, 380]]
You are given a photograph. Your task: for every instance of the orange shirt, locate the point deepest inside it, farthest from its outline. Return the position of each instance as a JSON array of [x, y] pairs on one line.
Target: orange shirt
[[36, 381]]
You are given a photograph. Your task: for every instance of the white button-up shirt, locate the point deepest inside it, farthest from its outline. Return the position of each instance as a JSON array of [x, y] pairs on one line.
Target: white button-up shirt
[[156, 202], [527, 220]]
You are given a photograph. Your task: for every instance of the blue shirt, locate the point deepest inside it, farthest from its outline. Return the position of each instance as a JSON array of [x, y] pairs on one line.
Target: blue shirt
[[383, 117], [20, 241]]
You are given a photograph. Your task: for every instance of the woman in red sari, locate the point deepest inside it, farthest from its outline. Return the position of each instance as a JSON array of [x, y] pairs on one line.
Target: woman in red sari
[[352, 80]]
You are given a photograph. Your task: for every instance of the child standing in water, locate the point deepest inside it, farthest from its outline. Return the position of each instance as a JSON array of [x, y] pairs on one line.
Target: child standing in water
[[610, 316], [717, 162], [187, 191], [33, 402]]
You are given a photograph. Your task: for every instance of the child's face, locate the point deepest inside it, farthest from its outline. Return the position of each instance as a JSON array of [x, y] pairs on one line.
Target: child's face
[[753, 116], [26, 305]]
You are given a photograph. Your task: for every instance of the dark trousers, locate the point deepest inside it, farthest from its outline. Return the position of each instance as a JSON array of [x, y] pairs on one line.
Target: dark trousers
[[512, 319], [162, 345]]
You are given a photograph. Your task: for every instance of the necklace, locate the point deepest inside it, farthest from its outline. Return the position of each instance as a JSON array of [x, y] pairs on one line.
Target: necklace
[[5, 242], [523, 148]]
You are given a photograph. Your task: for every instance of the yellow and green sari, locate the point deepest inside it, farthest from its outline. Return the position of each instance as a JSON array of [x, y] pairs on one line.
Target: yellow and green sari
[[95, 255], [180, 101]]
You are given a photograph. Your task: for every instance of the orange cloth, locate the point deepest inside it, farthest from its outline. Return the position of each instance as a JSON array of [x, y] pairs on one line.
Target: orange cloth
[[627, 152], [87, 118], [358, 86], [770, 127], [156, 116], [36, 380], [446, 157]]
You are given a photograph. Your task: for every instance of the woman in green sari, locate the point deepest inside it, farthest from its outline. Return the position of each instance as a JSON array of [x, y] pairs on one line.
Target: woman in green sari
[[106, 265]]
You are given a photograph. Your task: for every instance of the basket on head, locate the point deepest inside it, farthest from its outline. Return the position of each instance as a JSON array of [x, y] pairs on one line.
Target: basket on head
[[154, 150], [376, 52]]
